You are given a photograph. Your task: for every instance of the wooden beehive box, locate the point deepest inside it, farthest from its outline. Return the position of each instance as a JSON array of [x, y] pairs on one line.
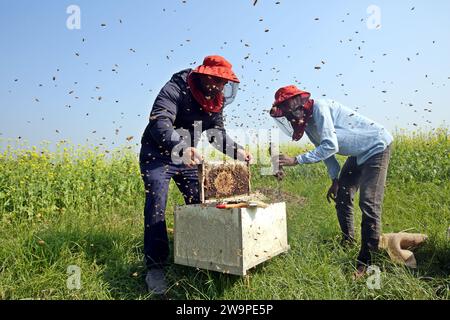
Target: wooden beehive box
[[228, 240]]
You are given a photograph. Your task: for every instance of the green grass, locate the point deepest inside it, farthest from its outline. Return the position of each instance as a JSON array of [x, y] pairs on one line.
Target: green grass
[[82, 207]]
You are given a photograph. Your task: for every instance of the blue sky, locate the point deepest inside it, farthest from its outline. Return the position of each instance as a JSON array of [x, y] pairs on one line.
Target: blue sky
[[392, 73]]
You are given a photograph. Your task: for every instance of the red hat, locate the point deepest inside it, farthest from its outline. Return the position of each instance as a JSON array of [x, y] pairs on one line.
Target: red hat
[[217, 66], [288, 92]]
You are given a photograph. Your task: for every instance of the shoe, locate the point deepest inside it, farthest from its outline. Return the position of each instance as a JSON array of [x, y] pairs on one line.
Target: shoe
[[347, 242], [360, 272], [156, 281]]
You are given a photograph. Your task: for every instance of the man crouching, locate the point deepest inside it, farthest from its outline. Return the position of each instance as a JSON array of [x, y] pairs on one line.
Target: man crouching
[[336, 129]]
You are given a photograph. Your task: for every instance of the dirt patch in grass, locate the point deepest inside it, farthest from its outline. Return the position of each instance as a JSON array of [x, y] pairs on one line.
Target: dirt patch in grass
[[275, 195]]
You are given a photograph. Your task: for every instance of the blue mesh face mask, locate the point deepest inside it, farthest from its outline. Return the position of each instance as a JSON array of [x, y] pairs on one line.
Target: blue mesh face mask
[[285, 126]]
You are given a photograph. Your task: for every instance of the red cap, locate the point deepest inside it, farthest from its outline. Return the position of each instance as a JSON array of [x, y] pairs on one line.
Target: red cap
[[288, 92], [217, 66]]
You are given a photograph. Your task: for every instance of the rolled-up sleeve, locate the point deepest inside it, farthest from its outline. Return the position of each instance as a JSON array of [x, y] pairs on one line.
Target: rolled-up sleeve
[[328, 145], [163, 116]]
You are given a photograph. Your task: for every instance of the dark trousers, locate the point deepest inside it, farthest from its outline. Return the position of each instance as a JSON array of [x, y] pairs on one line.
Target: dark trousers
[[157, 175], [370, 178]]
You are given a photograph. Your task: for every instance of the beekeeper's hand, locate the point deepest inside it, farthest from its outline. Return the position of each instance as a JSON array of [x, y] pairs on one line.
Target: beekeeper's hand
[[286, 161], [243, 155], [333, 190], [192, 157]]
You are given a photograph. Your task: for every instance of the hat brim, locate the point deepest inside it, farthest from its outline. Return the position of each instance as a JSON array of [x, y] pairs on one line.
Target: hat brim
[[303, 94], [220, 72], [276, 112]]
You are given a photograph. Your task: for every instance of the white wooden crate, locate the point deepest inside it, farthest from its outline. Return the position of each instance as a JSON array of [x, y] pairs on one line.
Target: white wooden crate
[[228, 240]]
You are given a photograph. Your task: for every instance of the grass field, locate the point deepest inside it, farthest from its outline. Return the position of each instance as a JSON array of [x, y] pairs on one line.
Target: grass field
[[79, 206]]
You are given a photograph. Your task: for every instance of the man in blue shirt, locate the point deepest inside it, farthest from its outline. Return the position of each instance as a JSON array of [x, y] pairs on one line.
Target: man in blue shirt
[[336, 129]]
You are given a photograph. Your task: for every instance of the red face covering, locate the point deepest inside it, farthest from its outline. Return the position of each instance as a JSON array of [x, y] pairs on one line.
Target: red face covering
[[298, 125], [215, 66], [208, 105]]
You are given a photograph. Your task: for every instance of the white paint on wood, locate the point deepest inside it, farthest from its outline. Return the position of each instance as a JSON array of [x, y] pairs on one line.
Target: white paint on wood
[[229, 240]]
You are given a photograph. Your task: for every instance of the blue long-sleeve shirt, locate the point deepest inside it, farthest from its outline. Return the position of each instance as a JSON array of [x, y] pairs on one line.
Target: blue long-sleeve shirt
[[336, 129]]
